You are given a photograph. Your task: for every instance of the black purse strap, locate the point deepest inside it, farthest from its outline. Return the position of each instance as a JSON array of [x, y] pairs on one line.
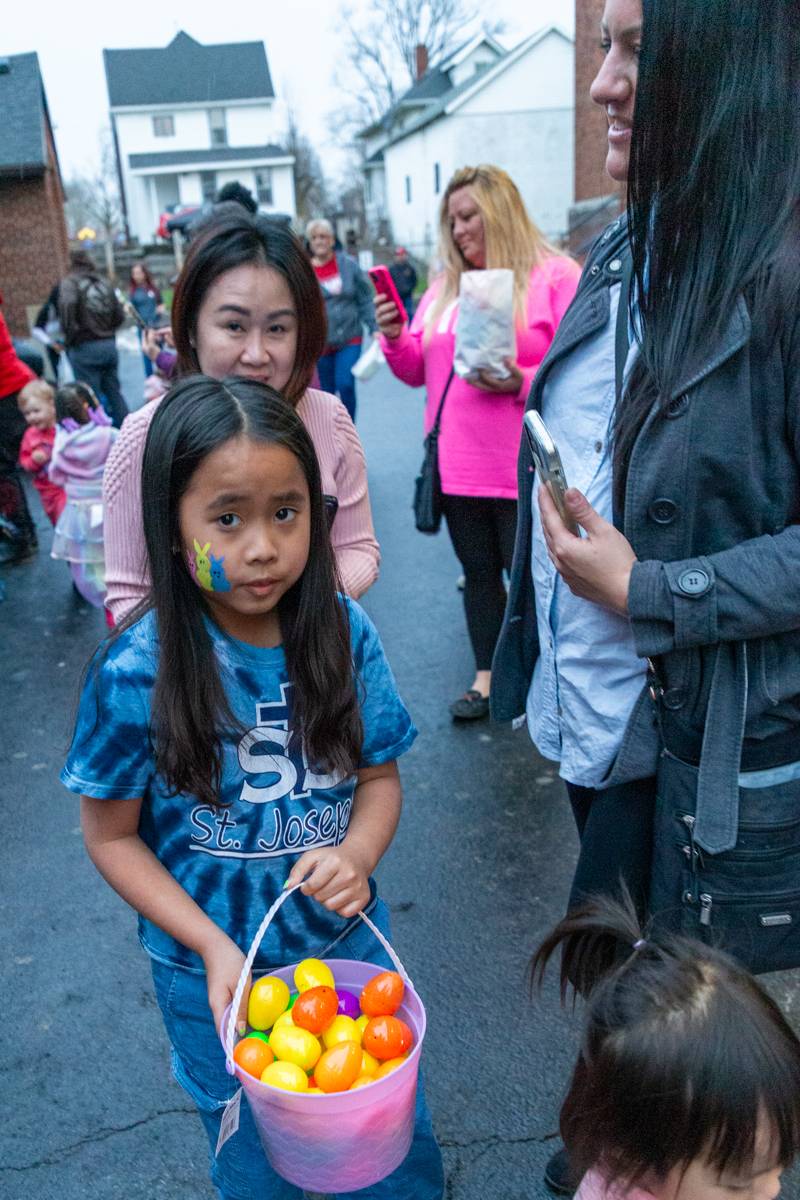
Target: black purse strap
[[434, 429]]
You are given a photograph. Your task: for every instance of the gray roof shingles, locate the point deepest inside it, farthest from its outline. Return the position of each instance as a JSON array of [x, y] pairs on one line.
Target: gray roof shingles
[[22, 103], [177, 158], [185, 72]]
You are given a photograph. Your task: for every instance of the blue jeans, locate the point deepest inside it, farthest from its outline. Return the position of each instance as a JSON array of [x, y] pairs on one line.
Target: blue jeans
[[335, 375], [241, 1172]]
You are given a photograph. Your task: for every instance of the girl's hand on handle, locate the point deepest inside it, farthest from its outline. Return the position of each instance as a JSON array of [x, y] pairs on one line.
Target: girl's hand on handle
[[223, 962], [336, 876], [388, 317], [596, 567]]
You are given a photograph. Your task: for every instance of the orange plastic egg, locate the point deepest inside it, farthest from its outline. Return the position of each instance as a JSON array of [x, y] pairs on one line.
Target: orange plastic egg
[[362, 1081], [253, 1056], [387, 1037], [339, 1067], [383, 995], [315, 1009], [390, 1065]]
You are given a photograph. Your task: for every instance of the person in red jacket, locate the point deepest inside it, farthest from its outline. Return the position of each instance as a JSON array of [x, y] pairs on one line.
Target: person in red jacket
[[37, 405], [17, 531]]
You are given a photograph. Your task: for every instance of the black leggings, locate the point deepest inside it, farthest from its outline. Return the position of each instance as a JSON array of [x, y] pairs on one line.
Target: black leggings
[[615, 826], [482, 532]]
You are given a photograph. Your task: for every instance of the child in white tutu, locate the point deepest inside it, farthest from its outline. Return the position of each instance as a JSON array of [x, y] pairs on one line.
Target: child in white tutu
[[84, 438]]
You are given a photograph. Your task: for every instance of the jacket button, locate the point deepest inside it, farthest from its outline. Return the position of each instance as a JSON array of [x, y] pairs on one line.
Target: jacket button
[[694, 582], [615, 264], [594, 270], [673, 698], [663, 511], [677, 407]]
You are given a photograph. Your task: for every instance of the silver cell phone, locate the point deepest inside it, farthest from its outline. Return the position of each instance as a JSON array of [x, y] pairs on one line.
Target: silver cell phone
[[548, 465]]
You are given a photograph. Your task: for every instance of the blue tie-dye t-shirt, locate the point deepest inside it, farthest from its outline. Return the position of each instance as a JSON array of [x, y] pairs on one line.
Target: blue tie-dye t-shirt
[[234, 860]]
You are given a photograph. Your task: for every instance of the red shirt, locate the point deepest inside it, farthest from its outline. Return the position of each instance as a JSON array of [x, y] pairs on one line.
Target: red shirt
[[13, 372]]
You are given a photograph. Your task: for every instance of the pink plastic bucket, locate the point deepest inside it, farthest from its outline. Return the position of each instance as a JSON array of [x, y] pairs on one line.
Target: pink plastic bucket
[[344, 1140]]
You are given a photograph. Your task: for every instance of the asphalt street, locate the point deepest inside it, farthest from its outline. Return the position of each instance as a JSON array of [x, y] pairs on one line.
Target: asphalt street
[[478, 872]]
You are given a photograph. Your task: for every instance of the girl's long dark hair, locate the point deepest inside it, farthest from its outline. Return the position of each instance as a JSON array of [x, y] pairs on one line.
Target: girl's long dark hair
[[232, 237], [190, 711], [713, 186], [71, 400], [684, 1056]]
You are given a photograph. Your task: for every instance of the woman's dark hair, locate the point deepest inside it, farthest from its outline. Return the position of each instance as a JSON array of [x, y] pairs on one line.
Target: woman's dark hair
[[190, 712], [684, 1056], [148, 278], [71, 401], [233, 237], [81, 261], [713, 186]]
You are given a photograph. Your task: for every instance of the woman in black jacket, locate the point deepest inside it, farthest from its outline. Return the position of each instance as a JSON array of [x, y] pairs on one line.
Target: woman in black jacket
[[666, 640]]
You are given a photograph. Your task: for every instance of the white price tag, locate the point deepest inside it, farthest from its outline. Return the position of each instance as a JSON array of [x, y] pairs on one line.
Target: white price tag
[[230, 1120]]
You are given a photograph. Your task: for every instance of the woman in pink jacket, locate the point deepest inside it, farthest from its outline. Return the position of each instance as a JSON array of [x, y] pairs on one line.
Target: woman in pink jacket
[[483, 224], [246, 303]]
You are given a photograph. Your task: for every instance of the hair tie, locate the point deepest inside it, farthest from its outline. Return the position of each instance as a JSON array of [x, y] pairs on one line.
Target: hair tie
[[638, 944]]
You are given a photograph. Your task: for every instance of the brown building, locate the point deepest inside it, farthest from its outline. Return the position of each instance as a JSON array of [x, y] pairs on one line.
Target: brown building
[[597, 197], [33, 234]]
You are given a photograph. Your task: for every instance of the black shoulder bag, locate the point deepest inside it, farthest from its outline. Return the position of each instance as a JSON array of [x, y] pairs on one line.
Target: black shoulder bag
[[428, 487]]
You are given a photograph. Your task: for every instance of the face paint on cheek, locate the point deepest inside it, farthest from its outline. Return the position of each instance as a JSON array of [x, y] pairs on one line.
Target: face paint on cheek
[[206, 570], [219, 581]]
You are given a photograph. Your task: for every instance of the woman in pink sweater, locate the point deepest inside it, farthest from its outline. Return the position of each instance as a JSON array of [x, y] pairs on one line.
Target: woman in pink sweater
[[483, 224], [246, 303]]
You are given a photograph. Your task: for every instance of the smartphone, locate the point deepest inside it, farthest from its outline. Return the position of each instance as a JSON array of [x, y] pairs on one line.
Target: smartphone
[[384, 286], [548, 465]]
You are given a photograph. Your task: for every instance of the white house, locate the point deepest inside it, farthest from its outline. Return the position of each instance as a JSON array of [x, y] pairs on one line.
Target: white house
[[189, 118], [481, 104]]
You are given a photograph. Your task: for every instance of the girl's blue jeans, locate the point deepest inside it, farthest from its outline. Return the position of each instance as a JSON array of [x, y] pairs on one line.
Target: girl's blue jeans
[[241, 1172], [336, 375]]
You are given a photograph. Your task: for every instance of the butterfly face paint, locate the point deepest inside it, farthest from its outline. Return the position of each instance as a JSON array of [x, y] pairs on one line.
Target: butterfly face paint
[[206, 570]]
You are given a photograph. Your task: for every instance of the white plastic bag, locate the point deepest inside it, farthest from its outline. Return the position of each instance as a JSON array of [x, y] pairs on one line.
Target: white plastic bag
[[485, 324], [65, 373], [369, 363]]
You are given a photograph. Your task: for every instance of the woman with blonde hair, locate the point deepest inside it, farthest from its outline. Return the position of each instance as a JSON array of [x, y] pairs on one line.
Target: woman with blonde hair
[[483, 225]]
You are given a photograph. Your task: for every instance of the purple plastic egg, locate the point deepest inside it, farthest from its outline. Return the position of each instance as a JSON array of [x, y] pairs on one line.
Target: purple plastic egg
[[348, 1004]]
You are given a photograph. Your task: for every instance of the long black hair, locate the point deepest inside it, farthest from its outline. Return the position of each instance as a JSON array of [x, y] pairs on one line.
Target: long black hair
[[684, 1056], [190, 711], [73, 400], [713, 186]]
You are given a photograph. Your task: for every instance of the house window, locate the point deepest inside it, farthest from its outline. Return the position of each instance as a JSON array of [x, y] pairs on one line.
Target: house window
[[437, 179], [208, 184], [408, 189], [164, 126], [264, 186], [219, 132]]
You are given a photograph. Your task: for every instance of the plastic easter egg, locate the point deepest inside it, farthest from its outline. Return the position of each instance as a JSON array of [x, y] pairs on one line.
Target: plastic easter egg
[[341, 1029], [261, 1037], [383, 995], [285, 1018], [348, 1003], [253, 1056], [269, 997], [315, 1009], [338, 1067], [362, 1081], [387, 1037], [291, 1044], [292, 999], [390, 1065], [286, 1075], [312, 972], [369, 1064], [361, 1024]]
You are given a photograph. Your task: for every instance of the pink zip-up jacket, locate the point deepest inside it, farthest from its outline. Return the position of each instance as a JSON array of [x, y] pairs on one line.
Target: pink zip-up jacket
[[594, 1187], [344, 475], [480, 431]]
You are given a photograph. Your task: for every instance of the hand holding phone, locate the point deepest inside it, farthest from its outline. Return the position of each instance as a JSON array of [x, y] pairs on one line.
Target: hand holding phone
[[384, 286], [547, 461]]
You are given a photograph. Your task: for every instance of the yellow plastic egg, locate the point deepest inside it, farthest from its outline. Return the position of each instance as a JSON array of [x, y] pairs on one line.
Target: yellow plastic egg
[[390, 1065], [362, 1022], [291, 1044], [369, 1065], [286, 1075], [312, 972], [284, 1019], [362, 1081], [341, 1029], [269, 997]]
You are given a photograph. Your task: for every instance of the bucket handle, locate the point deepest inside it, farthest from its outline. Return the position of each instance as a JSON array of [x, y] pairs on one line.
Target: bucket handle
[[251, 954]]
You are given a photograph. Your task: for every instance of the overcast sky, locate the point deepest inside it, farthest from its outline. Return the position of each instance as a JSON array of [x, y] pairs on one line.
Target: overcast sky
[[301, 37]]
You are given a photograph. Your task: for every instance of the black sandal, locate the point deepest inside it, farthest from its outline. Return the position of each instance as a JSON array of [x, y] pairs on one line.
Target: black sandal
[[472, 706]]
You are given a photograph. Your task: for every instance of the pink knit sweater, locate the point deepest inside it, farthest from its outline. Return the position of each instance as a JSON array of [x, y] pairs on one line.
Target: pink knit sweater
[[344, 475], [480, 431]]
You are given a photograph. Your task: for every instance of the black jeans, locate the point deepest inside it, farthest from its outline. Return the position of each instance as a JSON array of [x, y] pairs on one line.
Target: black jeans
[[615, 826], [96, 363], [13, 504], [482, 531]]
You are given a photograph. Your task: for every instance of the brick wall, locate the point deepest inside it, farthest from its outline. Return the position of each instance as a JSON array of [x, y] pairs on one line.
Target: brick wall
[[33, 242]]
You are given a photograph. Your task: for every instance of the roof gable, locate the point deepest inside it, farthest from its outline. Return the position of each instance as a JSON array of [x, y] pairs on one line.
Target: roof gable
[[22, 103], [185, 72]]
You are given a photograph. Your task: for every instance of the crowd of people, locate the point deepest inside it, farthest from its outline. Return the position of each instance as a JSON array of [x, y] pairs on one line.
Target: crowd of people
[[654, 654]]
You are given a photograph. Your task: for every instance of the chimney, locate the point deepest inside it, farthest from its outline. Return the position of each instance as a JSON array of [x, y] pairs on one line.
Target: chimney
[[421, 54]]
